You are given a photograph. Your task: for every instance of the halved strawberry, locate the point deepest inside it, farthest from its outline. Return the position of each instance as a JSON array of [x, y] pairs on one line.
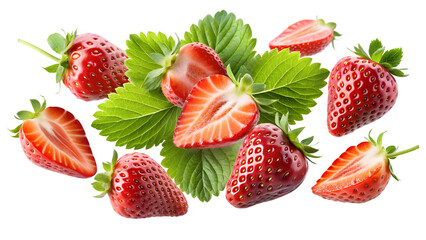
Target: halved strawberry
[[306, 36], [194, 62], [54, 139], [216, 113], [360, 174]]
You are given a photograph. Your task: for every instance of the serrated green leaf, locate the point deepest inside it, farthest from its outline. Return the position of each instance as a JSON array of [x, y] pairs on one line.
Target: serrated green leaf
[[136, 118], [295, 81], [392, 57], [57, 42], [140, 50], [228, 36], [202, 173]]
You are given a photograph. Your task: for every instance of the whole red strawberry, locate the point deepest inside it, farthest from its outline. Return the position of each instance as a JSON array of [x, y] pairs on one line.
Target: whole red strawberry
[[271, 163], [139, 187], [307, 36], [53, 138], [362, 89], [182, 68], [90, 66], [360, 174]]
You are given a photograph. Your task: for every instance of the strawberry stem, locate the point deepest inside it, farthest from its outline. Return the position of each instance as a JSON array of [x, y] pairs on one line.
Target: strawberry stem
[[393, 155], [39, 50]]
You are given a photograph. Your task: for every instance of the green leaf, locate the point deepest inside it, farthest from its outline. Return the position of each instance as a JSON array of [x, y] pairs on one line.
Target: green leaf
[[228, 36], [57, 42], [377, 55], [153, 79], [201, 173], [374, 45], [52, 68], [136, 118], [397, 72], [392, 57], [141, 49], [25, 115], [294, 81]]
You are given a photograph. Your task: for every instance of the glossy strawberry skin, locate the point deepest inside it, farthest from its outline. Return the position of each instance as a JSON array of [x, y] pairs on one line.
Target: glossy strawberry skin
[[312, 42], [96, 67], [360, 91], [33, 139], [361, 188], [268, 166], [141, 188], [194, 62]]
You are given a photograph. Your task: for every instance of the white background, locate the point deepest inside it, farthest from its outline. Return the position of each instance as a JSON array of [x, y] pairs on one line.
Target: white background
[[39, 204]]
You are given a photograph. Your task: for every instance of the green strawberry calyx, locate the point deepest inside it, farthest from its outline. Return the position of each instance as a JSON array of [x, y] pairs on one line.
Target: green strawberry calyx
[[59, 44], [27, 115], [390, 151], [292, 135], [246, 85], [165, 59], [103, 180], [389, 59]]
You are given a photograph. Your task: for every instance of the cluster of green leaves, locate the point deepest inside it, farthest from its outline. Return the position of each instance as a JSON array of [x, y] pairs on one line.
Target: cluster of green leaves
[[389, 59], [135, 117]]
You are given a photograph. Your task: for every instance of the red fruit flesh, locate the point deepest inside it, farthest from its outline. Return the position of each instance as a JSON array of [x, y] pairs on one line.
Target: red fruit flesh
[[194, 62], [306, 36], [360, 91], [141, 188], [96, 67], [215, 115], [57, 141], [360, 174], [268, 166]]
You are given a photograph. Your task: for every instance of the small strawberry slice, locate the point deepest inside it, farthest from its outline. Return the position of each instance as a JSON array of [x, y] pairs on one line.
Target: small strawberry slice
[[217, 113], [54, 139], [306, 36], [360, 174]]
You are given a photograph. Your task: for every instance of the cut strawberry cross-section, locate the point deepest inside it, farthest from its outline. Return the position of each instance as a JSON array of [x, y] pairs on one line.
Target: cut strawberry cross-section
[[216, 113], [54, 139]]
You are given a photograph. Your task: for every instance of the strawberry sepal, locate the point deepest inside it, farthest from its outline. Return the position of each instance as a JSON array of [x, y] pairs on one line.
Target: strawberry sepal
[[103, 180], [389, 59], [303, 145], [390, 151], [23, 115]]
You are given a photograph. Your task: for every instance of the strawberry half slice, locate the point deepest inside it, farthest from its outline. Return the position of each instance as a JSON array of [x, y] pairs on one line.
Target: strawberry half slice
[[216, 113], [54, 139], [360, 174], [306, 36], [181, 68]]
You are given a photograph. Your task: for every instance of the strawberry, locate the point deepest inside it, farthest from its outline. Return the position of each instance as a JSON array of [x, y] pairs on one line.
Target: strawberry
[[360, 174], [306, 36], [54, 139], [271, 163], [90, 66], [216, 113], [182, 69], [362, 89], [138, 187]]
